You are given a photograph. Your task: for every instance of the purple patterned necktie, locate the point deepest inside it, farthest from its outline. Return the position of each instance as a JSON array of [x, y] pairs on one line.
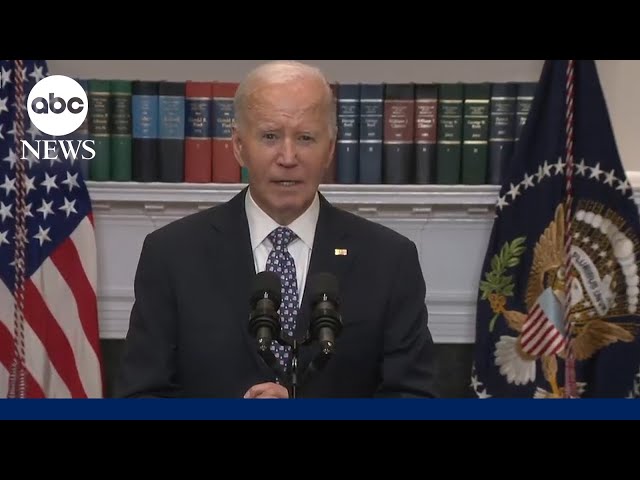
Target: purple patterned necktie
[[281, 262]]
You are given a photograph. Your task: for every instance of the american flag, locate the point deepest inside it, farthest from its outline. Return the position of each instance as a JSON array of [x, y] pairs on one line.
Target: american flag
[[543, 331], [49, 338]]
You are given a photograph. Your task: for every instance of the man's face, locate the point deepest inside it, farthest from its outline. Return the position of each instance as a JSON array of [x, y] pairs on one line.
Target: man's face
[[285, 143]]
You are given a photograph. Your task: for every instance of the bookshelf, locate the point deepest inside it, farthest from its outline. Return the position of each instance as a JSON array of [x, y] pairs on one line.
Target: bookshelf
[[619, 79]]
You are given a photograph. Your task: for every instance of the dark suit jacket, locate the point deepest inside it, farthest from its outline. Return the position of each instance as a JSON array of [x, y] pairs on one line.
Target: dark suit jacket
[[189, 336]]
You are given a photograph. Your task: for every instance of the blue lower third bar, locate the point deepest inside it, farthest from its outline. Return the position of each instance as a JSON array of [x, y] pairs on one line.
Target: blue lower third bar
[[315, 409]]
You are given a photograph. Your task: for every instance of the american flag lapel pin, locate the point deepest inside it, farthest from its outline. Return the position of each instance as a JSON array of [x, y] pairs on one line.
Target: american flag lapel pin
[[340, 251]]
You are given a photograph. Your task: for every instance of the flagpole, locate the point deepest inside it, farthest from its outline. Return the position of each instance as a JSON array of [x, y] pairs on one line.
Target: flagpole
[[570, 390], [17, 387]]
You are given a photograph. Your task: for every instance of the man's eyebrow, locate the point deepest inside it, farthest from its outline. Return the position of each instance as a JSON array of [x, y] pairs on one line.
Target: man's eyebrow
[[266, 126]]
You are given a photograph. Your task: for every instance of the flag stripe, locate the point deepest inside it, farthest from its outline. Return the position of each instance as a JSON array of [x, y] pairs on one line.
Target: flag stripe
[[551, 336], [535, 340], [67, 262], [6, 353], [5, 345], [84, 239], [56, 345], [532, 325], [557, 345], [6, 357], [543, 341], [52, 287], [545, 329], [539, 335], [37, 362]]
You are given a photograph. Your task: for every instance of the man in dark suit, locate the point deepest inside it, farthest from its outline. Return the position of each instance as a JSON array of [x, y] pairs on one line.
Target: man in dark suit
[[189, 332]]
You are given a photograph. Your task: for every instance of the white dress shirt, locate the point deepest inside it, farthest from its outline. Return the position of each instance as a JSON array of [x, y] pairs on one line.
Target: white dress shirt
[[261, 225]]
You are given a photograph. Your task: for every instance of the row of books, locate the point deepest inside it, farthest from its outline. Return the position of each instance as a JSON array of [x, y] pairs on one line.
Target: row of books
[[159, 131], [436, 133], [388, 133]]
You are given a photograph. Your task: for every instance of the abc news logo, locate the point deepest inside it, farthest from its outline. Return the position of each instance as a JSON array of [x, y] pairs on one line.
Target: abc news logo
[[57, 106]]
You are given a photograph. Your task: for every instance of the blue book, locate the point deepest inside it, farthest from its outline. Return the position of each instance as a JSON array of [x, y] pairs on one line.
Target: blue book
[[348, 133], [371, 133], [171, 128], [144, 117]]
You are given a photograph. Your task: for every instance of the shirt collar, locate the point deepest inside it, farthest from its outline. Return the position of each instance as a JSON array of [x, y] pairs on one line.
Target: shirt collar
[[261, 224]]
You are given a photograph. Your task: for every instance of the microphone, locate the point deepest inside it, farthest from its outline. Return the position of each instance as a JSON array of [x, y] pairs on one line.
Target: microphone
[[326, 323], [264, 322]]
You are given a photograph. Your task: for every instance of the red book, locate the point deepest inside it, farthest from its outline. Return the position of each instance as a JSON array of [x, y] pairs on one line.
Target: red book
[[198, 132]]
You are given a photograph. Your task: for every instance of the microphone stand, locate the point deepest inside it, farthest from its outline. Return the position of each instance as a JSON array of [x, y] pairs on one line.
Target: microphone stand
[[294, 369], [317, 364], [271, 360], [288, 380]]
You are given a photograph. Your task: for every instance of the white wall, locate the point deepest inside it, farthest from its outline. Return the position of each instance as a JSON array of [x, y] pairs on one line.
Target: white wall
[[620, 80]]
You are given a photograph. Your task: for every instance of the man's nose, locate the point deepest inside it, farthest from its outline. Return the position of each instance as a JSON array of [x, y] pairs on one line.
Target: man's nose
[[289, 154]]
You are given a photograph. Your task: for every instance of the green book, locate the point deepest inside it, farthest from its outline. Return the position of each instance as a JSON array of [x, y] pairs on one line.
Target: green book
[[121, 143], [449, 151], [100, 128], [475, 133]]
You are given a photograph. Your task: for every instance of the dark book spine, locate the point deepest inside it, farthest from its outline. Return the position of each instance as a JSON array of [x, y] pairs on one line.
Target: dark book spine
[[121, 130], [450, 114], [171, 118], [526, 92], [144, 115], [100, 129], [426, 132], [348, 133], [475, 135], [399, 121], [502, 129], [371, 133]]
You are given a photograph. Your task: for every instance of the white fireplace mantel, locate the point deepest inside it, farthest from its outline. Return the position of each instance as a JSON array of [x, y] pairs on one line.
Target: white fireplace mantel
[[449, 224]]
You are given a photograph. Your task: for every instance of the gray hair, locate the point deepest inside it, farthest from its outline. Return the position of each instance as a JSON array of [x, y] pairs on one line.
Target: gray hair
[[283, 71]]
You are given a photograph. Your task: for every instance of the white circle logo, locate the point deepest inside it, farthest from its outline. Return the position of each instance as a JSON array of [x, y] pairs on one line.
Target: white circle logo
[[57, 105]]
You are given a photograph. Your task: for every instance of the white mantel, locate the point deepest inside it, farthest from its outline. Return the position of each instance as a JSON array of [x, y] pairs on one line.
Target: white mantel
[[449, 224]]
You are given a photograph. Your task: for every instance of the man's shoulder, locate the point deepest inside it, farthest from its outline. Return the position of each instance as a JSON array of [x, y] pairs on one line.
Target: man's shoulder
[[369, 230], [184, 228]]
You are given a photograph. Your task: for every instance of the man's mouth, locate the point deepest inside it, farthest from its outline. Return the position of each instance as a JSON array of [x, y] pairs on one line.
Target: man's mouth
[[287, 183]]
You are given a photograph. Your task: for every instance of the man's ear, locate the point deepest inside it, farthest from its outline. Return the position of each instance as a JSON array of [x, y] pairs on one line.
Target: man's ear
[[236, 142]]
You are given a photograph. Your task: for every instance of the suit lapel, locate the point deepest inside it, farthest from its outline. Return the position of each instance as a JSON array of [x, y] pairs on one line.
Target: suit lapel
[[333, 252], [235, 262]]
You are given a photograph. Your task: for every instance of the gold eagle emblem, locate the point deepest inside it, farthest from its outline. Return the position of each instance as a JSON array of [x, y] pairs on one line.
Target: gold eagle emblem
[[603, 289]]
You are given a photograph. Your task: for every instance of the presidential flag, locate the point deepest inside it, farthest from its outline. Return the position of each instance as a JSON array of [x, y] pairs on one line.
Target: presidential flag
[[557, 311], [49, 339]]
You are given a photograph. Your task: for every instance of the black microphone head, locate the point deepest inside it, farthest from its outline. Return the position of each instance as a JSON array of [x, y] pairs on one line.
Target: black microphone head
[[266, 285], [322, 284]]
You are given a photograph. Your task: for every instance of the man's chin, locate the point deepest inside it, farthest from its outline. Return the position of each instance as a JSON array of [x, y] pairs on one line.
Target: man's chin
[[288, 209]]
